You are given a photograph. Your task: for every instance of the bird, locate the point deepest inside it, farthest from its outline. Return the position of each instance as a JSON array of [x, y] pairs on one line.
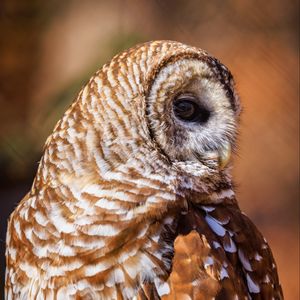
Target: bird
[[133, 196]]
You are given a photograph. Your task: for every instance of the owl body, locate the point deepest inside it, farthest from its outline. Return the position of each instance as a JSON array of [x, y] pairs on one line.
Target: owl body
[[133, 197]]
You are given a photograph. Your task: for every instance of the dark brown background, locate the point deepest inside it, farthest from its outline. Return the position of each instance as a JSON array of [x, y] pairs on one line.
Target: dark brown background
[[48, 49]]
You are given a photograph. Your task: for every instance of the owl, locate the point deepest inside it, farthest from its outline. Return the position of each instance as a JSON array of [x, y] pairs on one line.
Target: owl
[[133, 197]]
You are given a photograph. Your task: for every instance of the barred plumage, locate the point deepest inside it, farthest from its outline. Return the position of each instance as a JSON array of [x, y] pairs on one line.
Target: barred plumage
[[131, 201]]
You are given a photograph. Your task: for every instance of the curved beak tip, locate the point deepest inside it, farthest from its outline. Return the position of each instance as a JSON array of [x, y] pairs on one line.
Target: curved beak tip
[[224, 156]]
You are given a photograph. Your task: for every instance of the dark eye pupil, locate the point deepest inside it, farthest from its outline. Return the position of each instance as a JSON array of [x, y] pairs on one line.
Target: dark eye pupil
[[188, 110], [185, 109]]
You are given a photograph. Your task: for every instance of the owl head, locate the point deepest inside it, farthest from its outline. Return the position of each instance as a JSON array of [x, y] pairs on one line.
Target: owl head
[[152, 108]]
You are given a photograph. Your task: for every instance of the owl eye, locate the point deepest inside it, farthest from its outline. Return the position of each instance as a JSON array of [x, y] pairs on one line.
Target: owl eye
[[187, 109]]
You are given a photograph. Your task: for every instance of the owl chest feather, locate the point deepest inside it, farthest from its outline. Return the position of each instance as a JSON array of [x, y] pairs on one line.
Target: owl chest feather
[[191, 249], [196, 251]]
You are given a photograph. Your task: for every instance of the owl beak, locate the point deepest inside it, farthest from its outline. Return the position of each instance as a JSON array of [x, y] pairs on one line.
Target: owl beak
[[224, 156]]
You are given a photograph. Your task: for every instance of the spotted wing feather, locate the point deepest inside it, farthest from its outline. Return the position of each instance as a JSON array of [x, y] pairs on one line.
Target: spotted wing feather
[[220, 254]]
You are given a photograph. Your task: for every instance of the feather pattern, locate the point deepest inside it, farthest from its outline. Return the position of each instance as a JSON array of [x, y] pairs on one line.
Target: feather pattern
[[129, 202]]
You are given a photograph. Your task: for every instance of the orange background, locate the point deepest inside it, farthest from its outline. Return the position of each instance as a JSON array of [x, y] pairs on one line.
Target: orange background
[[49, 49]]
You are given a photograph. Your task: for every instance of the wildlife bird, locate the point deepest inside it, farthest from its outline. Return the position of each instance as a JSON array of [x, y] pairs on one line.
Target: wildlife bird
[[133, 197]]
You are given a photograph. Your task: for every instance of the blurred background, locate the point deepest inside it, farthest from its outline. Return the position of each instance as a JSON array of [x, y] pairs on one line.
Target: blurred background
[[49, 49]]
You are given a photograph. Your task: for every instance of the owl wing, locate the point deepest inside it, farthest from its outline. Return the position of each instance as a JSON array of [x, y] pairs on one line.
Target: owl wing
[[220, 254]]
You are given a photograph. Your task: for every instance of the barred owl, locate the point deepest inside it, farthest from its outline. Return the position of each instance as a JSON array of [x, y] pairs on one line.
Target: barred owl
[[133, 197]]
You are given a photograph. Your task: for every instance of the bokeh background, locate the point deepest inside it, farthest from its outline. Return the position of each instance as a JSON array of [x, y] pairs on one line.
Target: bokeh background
[[49, 49]]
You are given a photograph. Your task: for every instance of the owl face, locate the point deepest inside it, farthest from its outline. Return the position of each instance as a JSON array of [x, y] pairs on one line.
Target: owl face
[[192, 110]]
